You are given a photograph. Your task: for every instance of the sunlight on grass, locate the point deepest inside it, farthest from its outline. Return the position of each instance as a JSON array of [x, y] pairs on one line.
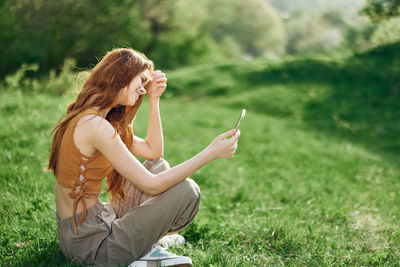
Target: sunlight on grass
[[314, 181], [290, 196]]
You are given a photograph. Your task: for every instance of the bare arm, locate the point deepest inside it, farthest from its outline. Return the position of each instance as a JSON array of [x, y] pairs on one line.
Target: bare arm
[[103, 138], [153, 146]]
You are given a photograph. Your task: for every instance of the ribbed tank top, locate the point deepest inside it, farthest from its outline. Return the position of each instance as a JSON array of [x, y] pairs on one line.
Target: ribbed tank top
[[83, 174]]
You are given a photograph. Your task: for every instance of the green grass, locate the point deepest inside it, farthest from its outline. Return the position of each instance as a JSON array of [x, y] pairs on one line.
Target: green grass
[[315, 180], [357, 98]]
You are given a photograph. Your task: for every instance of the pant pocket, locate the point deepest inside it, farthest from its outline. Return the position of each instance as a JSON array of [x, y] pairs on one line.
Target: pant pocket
[[64, 245], [85, 244]]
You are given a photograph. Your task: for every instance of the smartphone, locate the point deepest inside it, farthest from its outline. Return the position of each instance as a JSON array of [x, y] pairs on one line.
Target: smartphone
[[240, 119]]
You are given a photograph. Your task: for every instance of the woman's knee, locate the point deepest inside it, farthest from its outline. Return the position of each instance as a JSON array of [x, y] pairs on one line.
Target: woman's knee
[[189, 187], [188, 197]]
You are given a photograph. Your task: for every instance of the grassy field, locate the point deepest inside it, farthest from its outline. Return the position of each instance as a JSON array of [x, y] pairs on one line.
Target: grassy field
[[315, 180]]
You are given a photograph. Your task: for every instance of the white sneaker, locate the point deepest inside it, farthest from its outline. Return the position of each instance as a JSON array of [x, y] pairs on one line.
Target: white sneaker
[[171, 240], [157, 256]]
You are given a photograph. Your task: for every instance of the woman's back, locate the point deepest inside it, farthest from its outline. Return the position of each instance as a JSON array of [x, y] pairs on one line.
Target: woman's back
[[80, 168]]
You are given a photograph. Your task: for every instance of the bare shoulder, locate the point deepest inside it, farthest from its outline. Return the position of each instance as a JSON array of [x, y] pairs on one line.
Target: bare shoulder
[[95, 127], [101, 136]]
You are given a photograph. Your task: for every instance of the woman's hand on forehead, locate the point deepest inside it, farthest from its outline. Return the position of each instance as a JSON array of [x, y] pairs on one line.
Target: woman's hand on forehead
[[157, 85]]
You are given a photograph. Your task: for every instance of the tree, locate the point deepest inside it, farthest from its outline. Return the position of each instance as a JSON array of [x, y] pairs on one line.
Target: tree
[[254, 25], [379, 10], [47, 32], [176, 27], [171, 32], [386, 32], [310, 33]]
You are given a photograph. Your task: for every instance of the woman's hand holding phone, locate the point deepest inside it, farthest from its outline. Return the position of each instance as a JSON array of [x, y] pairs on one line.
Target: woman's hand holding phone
[[222, 147]]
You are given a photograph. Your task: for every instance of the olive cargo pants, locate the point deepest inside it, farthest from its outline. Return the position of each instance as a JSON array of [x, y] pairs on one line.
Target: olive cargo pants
[[119, 233]]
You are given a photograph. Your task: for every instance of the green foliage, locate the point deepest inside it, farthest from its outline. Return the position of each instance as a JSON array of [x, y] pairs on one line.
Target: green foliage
[[382, 9], [371, 36], [315, 27], [386, 32], [19, 79], [64, 81], [254, 25], [59, 83], [176, 49], [358, 38], [314, 33], [47, 32], [173, 33], [316, 5]]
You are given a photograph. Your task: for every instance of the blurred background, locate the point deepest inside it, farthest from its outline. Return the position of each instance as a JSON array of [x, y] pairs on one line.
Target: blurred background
[[176, 33]]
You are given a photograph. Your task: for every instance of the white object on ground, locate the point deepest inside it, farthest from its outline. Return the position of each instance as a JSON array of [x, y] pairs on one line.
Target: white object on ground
[[171, 240], [157, 256]]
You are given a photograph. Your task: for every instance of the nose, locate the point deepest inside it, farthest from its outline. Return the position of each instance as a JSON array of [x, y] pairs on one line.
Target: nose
[[142, 91]]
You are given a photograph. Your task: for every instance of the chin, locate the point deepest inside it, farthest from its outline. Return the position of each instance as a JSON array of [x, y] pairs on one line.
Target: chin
[[130, 103]]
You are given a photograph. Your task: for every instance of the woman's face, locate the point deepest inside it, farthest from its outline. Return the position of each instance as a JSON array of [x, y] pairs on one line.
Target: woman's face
[[130, 94]]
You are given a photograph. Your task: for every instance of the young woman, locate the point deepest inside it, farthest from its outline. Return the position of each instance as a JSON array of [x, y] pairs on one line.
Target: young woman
[[94, 140]]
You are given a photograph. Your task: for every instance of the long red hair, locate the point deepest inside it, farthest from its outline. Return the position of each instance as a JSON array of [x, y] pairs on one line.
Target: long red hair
[[114, 72]]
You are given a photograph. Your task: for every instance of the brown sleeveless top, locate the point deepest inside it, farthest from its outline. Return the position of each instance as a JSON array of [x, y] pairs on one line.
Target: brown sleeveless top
[[83, 174]]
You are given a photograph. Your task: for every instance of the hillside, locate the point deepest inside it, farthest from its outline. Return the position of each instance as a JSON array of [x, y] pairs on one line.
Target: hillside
[[356, 98], [314, 181]]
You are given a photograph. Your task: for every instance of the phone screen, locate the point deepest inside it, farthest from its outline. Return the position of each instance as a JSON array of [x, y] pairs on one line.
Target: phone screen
[[240, 119]]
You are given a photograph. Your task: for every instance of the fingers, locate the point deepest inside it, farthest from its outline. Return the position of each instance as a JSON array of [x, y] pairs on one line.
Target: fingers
[[158, 84], [226, 134], [236, 136], [234, 143], [226, 148], [161, 80], [158, 74], [235, 146], [234, 140]]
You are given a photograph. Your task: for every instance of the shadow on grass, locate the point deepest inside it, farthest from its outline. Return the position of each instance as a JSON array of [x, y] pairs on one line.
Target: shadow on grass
[[356, 98], [49, 256], [363, 103]]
